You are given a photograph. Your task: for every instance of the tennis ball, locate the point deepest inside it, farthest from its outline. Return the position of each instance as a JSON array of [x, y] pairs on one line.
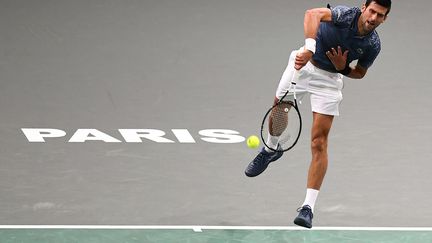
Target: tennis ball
[[253, 141]]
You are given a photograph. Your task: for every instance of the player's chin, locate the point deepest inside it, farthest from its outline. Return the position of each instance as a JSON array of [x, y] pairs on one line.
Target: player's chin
[[370, 27]]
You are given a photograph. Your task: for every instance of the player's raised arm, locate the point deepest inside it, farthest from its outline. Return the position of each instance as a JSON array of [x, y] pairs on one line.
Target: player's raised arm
[[312, 20]]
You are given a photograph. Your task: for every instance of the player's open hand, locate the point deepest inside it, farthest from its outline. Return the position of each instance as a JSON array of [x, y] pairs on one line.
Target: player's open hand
[[338, 58], [302, 58]]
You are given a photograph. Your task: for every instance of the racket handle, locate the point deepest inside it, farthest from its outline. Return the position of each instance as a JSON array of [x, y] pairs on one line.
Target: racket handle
[[295, 77], [294, 82]]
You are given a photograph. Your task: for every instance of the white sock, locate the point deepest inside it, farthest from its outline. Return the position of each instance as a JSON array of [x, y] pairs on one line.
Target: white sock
[[311, 197], [272, 142]]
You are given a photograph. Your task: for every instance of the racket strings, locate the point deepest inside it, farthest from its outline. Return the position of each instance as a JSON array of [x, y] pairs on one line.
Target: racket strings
[[283, 124], [278, 121]]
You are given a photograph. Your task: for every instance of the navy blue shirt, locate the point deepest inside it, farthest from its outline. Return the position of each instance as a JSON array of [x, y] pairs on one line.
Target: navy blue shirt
[[342, 31]]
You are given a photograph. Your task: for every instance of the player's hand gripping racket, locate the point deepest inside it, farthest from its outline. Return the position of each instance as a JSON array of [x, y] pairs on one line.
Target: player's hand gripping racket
[[283, 121]]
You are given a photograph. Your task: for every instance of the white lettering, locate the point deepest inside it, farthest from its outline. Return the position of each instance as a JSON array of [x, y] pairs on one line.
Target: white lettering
[[82, 135], [221, 136], [135, 135], [183, 135], [37, 135]]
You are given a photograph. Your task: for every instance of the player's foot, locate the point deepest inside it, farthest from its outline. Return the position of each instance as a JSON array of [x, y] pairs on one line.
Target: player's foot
[[261, 161], [305, 216]]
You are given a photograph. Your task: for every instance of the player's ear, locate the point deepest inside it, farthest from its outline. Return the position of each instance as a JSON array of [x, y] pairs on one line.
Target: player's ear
[[363, 8], [385, 17]]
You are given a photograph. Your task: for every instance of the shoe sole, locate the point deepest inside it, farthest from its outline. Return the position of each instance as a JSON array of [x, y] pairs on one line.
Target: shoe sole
[[253, 175], [302, 222]]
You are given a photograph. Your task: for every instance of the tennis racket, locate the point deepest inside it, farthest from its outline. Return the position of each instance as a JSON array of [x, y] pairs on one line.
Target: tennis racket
[[283, 121]]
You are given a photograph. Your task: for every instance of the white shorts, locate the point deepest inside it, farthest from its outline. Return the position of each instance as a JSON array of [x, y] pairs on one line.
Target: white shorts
[[325, 88]]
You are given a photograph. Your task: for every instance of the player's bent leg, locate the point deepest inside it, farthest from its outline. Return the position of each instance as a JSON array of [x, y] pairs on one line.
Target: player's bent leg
[[266, 155], [279, 118]]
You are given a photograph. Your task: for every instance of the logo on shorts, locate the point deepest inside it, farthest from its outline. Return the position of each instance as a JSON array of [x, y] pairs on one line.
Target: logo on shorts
[[360, 51]]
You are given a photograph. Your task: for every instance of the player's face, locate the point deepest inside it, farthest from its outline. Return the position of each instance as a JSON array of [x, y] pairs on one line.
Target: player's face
[[372, 16]]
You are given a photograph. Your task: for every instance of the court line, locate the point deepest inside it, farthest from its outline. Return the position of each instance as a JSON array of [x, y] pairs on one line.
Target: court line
[[199, 228]]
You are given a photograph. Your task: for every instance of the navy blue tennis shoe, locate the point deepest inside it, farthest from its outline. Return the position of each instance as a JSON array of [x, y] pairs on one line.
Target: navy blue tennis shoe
[[305, 217], [261, 162]]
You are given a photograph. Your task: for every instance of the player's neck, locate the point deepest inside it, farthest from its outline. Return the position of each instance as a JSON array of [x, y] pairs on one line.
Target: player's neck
[[360, 29]]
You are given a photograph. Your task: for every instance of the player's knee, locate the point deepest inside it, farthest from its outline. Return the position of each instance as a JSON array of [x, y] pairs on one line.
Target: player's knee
[[319, 144]]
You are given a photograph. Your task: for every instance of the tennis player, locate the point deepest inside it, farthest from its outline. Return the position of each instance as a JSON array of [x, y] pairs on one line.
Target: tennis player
[[335, 37]]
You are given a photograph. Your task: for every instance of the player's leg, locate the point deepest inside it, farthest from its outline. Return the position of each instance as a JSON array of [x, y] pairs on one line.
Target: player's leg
[[325, 105], [319, 140], [278, 121], [284, 84], [266, 155]]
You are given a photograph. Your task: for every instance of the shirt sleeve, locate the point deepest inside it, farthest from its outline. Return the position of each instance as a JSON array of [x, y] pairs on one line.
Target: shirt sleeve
[[343, 15]]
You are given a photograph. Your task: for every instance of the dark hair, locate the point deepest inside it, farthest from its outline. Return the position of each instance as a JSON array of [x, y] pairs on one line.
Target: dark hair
[[384, 3]]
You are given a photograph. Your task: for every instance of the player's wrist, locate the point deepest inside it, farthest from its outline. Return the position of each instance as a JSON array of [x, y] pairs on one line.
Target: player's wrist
[[346, 71], [310, 44]]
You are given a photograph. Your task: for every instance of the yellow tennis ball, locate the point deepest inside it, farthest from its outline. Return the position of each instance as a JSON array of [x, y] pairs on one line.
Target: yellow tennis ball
[[253, 141]]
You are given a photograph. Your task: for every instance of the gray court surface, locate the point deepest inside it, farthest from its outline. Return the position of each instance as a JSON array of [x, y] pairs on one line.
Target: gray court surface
[[198, 65]]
